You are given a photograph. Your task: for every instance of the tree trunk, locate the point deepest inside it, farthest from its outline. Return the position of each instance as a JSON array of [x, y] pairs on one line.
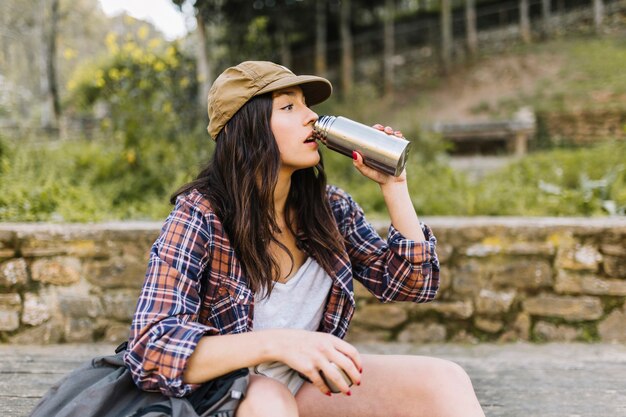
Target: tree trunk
[[204, 74], [320, 37], [470, 25], [285, 50], [389, 47], [446, 36], [51, 109], [598, 15], [524, 21], [347, 60], [546, 18]]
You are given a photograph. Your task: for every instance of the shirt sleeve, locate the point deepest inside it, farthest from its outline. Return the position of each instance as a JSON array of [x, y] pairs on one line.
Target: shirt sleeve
[[165, 330], [398, 269]]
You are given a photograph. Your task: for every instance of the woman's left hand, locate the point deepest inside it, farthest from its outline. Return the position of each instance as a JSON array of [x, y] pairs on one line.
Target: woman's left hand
[[373, 174]]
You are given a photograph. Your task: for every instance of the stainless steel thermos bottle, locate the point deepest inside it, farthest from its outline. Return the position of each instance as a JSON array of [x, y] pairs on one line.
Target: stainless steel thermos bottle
[[386, 153]]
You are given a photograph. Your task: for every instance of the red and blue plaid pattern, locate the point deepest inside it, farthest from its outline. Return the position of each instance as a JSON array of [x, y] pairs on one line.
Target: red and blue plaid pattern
[[195, 286]]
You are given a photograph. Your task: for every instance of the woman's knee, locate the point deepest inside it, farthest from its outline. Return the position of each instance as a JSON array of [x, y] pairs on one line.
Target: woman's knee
[[449, 374], [266, 397]]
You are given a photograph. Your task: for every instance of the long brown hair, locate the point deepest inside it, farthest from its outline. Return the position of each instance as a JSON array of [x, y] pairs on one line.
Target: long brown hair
[[246, 151]]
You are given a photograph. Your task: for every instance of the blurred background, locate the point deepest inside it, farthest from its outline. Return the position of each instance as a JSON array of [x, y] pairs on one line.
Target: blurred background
[[515, 107]]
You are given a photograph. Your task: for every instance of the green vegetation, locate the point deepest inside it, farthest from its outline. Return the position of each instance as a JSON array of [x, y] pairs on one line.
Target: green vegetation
[[94, 181]]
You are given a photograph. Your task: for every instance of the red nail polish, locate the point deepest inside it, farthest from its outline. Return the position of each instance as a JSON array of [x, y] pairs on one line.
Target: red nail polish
[[359, 383], [349, 393], [329, 394], [361, 370], [354, 155]]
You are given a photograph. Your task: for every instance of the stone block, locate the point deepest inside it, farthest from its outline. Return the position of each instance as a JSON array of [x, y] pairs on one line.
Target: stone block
[[444, 252], [494, 302], [120, 304], [488, 325], [360, 335], [568, 308], [522, 325], [9, 320], [362, 293], [36, 310], [11, 301], [520, 273], [48, 333], [79, 305], [462, 336], [56, 270], [79, 330], [614, 266], [613, 327], [467, 278], [452, 309], [578, 258], [549, 332], [13, 273], [423, 333], [7, 244], [579, 283], [385, 316], [118, 272], [116, 333]]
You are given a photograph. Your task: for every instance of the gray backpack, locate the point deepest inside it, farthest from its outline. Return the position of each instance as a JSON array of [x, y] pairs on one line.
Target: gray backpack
[[104, 388]]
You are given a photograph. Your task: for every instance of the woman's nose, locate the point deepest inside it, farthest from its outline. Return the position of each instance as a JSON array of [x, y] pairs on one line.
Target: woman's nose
[[311, 117]]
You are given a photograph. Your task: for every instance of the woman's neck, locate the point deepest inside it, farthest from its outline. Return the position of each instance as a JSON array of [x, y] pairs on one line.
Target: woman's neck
[[281, 192]]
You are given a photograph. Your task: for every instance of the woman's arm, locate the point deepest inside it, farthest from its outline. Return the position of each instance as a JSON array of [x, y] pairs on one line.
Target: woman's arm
[[305, 351], [396, 194]]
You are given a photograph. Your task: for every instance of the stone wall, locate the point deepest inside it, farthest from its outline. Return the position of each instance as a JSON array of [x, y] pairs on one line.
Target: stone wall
[[503, 279]]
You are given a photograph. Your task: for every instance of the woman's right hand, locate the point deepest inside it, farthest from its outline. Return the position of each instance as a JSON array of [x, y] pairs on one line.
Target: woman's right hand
[[310, 352]]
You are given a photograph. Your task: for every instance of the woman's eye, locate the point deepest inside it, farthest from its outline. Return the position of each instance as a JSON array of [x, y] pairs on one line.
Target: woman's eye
[[288, 107]]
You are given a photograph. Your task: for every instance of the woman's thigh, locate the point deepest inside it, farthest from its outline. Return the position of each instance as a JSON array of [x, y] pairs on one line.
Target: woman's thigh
[[399, 386], [266, 397]]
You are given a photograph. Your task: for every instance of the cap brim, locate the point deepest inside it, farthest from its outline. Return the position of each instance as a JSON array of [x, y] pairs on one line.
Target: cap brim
[[315, 89]]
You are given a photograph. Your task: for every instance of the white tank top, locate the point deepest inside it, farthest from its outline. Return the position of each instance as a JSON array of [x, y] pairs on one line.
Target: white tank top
[[296, 304]]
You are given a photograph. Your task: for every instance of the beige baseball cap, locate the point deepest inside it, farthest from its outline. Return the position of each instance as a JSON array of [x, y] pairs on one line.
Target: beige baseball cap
[[238, 84]]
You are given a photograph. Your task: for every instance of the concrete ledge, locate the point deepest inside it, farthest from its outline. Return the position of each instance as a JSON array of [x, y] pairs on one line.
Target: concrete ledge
[[511, 380]]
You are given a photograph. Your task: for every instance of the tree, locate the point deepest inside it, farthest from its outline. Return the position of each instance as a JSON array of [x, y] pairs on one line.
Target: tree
[[446, 36], [347, 53], [598, 15], [470, 26], [389, 47], [546, 17], [320, 37], [524, 21]]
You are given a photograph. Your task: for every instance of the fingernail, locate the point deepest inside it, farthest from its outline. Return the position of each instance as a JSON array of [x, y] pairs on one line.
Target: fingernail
[[349, 393], [329, 394], [354, 155], [361, 370], [359, 383]]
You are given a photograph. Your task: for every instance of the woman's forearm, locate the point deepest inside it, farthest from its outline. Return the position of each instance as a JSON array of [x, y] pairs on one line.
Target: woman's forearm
[[401, 211], [218, 355]]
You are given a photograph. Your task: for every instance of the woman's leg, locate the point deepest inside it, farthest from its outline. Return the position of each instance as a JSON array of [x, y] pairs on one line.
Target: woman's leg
[[267, 397], [399, 386]]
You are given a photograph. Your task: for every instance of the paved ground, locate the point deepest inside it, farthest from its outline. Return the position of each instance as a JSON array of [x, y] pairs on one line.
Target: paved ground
[[514, 380]]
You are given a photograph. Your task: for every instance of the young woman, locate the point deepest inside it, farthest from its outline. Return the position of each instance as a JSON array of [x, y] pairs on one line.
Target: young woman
[[254, 268]]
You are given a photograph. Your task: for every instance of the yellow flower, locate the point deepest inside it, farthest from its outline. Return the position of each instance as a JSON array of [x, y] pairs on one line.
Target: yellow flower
[[184, 82], [69, 53], [167, 107], [131, 156], [154, 43], [159, 66], [143, 32], [114, 74], [111, 42]]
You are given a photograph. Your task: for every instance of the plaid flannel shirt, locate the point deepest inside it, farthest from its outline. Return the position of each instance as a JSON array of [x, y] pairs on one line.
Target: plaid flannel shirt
[[195, 286]]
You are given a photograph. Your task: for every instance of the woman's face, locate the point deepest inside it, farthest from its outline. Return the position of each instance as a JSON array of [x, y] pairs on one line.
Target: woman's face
[[292, 126]]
